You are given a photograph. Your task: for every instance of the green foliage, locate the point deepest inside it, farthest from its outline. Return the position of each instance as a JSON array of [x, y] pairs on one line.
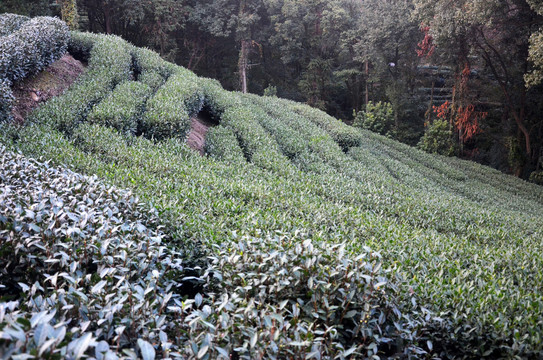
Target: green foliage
[[123, 108], [6, 100], [26, 47], [437, 139], [222, 143], [282, 187], [81, 44], [72, 243], [270, 91], [32, 47], [299, 299], [10, 23], [537, 177], [378, 117], [170, 109], [110, 64], [68, 11], [344, 135]]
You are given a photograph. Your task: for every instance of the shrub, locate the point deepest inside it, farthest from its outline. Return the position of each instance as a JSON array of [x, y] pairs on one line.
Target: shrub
[[34, 46], [344, 135], [537, 177], [438, 139], [6, 100], [10, 23], [221, 143], [169, 110], [111, 56], [217, 100], [147, 61], [280, 297], [76, 253], [123, 108], [378, 117], [109, 65], [81, 44]]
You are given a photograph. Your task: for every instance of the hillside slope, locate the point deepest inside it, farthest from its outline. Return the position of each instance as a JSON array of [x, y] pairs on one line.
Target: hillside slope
[[459, 245]]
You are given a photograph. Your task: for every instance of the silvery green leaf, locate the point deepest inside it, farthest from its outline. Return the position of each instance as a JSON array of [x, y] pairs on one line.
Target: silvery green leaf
[[96, 288], [254, 339], [147, 350], [81, 345], [198, 299], [222, 352], [22, 357], [46, 345], [24, 287]]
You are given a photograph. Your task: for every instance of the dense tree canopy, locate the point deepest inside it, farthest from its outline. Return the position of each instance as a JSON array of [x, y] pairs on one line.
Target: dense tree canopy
[[484, 58]]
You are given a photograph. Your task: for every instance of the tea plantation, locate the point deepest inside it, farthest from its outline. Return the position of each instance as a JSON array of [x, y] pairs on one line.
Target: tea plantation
[[295, 237]]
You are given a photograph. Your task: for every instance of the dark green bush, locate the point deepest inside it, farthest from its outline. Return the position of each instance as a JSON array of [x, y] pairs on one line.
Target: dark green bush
[[81, 44], [378, 117], [438, 139], [10, 23], [537, 177], [217, 100], [6, 100], [123, 108], [34, 46]]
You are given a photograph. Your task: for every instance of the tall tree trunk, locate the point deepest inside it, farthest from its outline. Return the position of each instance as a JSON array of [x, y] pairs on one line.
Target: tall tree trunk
[[367, 99], [243, 64], [107, 18]]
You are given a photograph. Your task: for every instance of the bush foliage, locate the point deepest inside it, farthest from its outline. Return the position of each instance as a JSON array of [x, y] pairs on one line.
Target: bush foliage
[[279, 224], [26, 47]]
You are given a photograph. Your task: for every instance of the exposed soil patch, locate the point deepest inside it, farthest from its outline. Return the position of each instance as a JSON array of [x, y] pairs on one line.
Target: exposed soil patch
[[53, 81], [199, 127]]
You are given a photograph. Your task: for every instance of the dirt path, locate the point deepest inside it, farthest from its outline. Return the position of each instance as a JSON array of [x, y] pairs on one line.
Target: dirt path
[[197, 134], [53, 81]]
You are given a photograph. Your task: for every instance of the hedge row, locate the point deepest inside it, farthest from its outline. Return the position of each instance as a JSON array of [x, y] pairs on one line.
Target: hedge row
[[6, 100], [81, 44], [123, 108], [170, 109], [346, 136], [26, 47], [110, 64], [34, 46], [222, 143], [10, 23]]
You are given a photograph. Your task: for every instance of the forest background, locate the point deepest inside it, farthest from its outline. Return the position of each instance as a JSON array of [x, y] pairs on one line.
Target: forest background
[[453, 77]]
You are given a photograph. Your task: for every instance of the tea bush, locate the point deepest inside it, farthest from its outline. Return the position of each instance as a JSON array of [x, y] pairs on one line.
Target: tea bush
[[110, 63], [32, 47], [222, 143], [460, 243], [81, 44], [284, 297], [123, 108], [6, 100], [76, 253], [10, 23], [344, 135], [170, 109], [26, 47]]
